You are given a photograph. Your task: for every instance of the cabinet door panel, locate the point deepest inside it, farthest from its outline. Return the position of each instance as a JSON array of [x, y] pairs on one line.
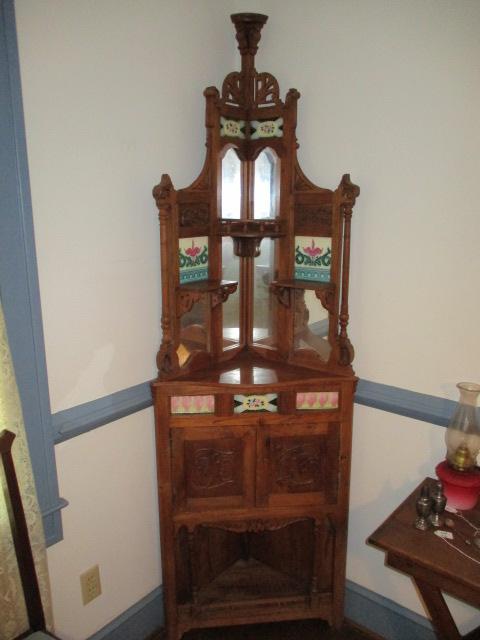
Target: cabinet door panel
[[298, 464], [213, 467]]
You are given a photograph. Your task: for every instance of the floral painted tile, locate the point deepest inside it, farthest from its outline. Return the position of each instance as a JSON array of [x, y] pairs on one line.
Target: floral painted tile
[[265, 402], [317, 400], [266, 128], [313, 256], [192, 404], [193, 259], [232, 128]]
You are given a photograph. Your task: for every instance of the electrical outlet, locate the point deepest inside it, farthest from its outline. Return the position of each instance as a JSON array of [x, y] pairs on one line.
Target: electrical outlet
[[90, 583]]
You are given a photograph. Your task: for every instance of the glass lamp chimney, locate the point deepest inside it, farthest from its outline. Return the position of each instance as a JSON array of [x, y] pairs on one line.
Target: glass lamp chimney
[[463, 433]]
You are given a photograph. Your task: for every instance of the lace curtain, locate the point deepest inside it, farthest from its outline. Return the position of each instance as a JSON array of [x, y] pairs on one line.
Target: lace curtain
[[13, 619]]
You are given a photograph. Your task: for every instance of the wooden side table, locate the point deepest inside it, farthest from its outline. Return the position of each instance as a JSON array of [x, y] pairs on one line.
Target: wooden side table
[[433, 565]]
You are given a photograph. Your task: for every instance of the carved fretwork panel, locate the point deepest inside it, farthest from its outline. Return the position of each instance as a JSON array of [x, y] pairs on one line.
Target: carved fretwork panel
[[232, 89], [301, 467], [266, 90], [193, 219], [213, 466]]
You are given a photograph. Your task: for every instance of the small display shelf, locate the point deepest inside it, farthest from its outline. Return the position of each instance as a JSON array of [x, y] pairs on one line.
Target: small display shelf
[[210, 286], [248, 234], [217, 290], [248, 580], [304, 284], [285, 291]]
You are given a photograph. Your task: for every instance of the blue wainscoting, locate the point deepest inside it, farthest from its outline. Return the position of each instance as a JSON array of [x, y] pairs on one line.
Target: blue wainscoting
[[362, 607], [136, 623], [19, 290], [85, 417]]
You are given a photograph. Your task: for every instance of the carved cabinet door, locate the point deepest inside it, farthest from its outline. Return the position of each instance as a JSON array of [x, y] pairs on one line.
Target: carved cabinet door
[[298, 464], [213, 467]]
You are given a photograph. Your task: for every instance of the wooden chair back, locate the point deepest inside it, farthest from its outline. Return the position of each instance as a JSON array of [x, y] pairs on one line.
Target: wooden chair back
[[21, 539]]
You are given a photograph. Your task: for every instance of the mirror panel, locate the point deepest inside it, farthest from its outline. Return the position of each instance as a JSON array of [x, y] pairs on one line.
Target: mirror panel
[[311, 324], [231, 185], [266, 184], [193, 331], [231, 307], [264, 301]]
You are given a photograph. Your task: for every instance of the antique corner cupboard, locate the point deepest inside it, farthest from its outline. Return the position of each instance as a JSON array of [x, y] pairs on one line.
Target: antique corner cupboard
[[254, 395]]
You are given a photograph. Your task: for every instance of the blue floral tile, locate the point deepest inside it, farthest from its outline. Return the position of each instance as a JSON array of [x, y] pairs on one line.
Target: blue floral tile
[[313, 256], [193, 259]]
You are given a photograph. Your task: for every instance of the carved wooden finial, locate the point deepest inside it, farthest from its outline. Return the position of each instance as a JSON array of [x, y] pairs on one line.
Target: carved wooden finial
[[349, 191], [249, 27], [161, 192]]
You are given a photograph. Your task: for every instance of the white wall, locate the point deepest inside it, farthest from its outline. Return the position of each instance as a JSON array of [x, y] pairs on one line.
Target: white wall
[[390, 94], [112, 94], [113, 98], [108, 476]]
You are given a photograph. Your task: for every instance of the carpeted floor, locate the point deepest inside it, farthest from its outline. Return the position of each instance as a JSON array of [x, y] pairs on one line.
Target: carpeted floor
[[301, 630]]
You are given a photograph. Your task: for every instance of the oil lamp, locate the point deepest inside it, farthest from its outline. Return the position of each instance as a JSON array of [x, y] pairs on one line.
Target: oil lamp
[[459, 471]]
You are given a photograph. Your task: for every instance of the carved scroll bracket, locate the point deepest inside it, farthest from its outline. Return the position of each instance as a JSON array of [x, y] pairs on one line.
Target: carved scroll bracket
[[282, 293], [327, 298], [186, 300], [222, 293], [167, 360], [217, 293]]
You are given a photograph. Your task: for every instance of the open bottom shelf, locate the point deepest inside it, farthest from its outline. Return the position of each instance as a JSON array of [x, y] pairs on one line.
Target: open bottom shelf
[[249, 580]]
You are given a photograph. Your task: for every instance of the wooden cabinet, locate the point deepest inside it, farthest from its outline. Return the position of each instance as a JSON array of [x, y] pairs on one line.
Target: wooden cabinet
[[254, 397]]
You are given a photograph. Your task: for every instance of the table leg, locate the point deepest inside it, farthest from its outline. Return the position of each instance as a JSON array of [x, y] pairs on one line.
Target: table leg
[[442, 620]]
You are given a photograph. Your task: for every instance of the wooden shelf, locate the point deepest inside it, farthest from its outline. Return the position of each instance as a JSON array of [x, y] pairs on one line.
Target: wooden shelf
[[303, 284], [249, 580], [208, 286], [250, 369]]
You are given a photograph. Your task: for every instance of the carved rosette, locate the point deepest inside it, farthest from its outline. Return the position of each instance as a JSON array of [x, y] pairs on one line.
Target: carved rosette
[[297, 466], [212, 468]]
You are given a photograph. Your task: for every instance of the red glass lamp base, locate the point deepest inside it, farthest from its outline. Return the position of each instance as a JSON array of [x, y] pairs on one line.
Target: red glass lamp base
[[461, 488]]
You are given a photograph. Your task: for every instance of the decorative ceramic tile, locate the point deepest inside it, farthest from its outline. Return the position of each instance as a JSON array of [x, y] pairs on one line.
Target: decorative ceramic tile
[[192, 404], [312, 258], [232, 128], [265, 402], [193, 259], [317, 400], [266, 128]]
